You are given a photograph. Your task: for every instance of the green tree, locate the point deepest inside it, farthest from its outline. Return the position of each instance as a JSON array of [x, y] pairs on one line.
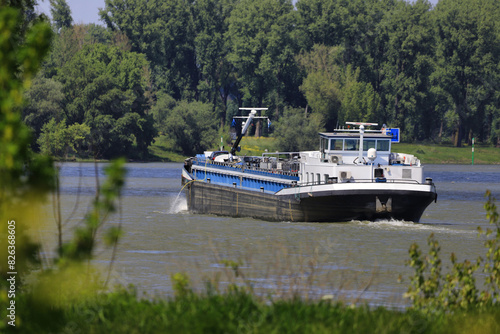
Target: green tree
[[352, 25], [216, 73], [192, 125], [164, 32], [360, 102], [106, 88], [160, 110], [494, 112], [58, 139], [44, 101], [65, 45], [29, 15], [68, 41], [19, 168], [409, 50], [335, 90], [262, 48], [61, 14], [53, 139], [25, 178], [323, 82], [468, 53], [297, 131], [319, 23]]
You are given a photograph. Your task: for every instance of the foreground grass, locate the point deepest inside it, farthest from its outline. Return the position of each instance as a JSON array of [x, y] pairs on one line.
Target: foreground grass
[[238, 312]]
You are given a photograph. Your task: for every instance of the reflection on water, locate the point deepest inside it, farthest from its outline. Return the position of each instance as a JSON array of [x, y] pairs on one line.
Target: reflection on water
[[355, 261]]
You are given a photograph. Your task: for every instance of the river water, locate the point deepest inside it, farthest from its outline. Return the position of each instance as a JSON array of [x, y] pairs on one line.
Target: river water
[[356, 262]]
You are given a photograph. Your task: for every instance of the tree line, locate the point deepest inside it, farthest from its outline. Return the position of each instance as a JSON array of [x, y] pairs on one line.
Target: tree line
[[181, 69]]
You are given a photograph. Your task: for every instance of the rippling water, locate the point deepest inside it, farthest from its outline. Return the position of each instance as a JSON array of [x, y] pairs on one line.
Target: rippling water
[[354, 261]]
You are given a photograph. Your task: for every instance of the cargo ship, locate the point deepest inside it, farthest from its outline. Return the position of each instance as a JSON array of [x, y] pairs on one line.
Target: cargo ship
[[353, 176]]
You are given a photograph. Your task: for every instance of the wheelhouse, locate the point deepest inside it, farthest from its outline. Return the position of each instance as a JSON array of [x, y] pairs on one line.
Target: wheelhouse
[[347, 145]]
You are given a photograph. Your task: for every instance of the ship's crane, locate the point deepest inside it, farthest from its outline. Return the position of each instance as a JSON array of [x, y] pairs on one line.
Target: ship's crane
[[249, 119]]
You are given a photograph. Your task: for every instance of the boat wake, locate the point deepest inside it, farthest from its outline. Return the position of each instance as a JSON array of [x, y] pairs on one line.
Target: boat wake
[[394, 224], [398, 224]]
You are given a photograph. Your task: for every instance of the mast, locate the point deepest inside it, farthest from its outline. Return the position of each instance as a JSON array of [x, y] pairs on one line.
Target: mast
[[361, 133]]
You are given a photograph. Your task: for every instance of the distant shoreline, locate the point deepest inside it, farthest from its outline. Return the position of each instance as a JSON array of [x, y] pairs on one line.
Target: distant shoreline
[[427, 153]]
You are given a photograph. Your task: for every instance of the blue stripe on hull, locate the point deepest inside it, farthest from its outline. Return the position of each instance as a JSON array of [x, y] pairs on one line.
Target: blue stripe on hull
[[245, 182]]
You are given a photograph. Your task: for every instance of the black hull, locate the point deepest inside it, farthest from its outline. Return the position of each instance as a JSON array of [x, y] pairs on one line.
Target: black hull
[[344, 206]]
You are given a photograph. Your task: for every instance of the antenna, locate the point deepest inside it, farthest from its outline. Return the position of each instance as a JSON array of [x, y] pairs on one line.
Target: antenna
[[361, 123], [361, 132]]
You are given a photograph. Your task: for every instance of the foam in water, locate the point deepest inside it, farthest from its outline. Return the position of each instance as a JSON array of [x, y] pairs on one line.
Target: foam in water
[[178, 205], [409, 225], [394, 223]]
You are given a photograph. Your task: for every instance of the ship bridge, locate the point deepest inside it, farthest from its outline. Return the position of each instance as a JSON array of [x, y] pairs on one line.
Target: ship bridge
[[345, 146]]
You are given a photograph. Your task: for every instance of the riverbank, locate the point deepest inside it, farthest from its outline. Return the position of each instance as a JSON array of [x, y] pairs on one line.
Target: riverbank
[[446, 154], [162, 150]]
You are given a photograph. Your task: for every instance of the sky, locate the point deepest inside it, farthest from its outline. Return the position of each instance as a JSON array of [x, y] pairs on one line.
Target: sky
[[82, 11], [87, 11]]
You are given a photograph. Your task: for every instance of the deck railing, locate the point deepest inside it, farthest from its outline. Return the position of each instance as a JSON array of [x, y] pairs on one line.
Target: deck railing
[[315, 183], [241, 167]]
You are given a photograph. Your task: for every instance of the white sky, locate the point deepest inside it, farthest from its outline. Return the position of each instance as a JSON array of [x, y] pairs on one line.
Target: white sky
[[87, 11]]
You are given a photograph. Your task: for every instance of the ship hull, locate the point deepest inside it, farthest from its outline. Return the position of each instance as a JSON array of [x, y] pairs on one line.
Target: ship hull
[[324, 204]]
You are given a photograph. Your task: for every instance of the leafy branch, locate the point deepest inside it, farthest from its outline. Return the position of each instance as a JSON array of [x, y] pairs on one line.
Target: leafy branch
[[431, 291], [82, 245]]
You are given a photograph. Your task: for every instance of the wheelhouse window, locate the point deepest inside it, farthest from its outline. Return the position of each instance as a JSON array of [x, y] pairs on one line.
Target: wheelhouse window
[[351, 145], [336, 144], [323, 144], [383, 145], [348, 144], [368, 143]]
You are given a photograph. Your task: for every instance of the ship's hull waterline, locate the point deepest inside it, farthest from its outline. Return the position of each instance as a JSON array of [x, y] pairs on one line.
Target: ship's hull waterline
[[332, 204]]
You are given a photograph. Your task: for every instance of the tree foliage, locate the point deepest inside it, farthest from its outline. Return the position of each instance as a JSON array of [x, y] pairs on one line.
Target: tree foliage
[[191, 124], [61, 14], [431, 291], [467, 56], [430, 70], [164, 32], [262, 48], [25, 178], [322, 85], [105, 88], [216, 73], [44, 102], [408, 98], [58, 139], [298, 131], [20, 58], [359, 99]]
